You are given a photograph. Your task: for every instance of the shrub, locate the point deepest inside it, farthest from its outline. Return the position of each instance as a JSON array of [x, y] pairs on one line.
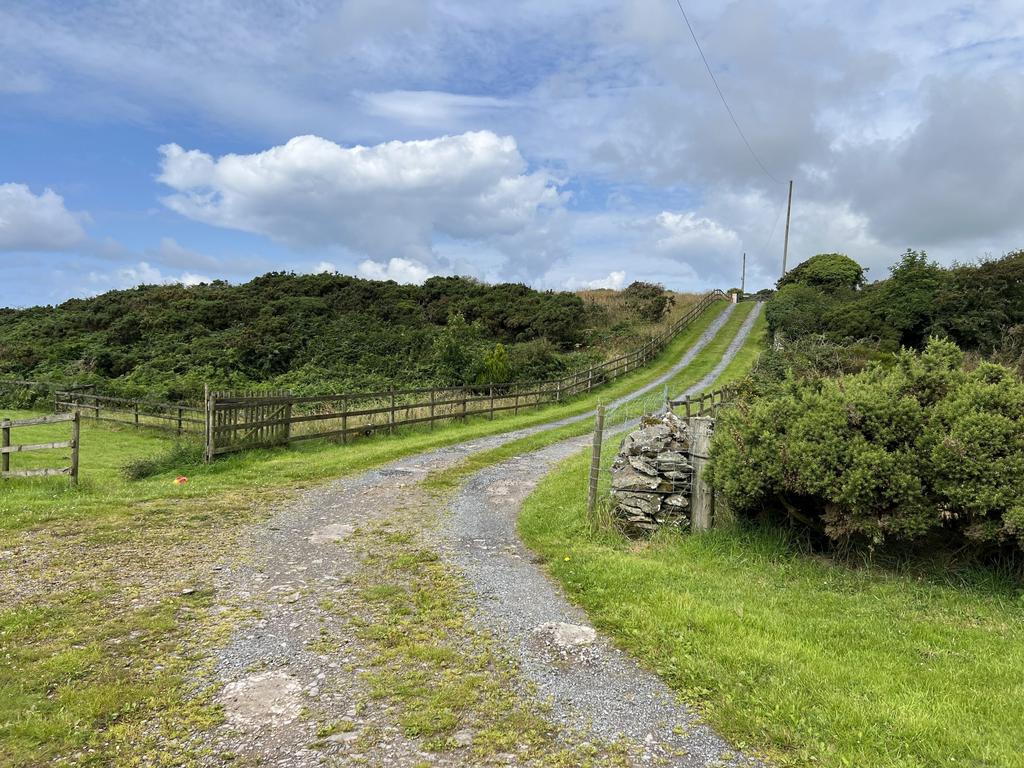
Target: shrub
[[180, 456], [829, 272], [922, 449], [648, 301], [796, 310]]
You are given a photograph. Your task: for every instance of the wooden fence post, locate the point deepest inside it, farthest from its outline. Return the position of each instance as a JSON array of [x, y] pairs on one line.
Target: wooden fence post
[[391, 414], [702, 500], [595, 466], [288, 419], [5, 441], [344, 420], [516, 411], [179, 420], [490, 415], [432, 391], [76, 434], [208, 451], [465, 395], [135, 405]]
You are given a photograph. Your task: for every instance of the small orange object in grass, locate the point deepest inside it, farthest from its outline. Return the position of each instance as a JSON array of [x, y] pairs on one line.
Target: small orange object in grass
[[180, 480]]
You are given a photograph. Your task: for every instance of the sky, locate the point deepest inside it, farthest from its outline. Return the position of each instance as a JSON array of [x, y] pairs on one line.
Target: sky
[[563, 144]]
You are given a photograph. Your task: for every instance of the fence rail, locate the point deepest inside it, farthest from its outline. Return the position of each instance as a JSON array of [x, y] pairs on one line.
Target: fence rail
[[171, 417], [235, 421], [7, 448], [704, 404], [238, 421]]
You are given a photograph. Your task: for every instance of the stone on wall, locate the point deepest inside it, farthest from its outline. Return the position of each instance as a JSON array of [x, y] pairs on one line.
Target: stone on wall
[[651, 477]]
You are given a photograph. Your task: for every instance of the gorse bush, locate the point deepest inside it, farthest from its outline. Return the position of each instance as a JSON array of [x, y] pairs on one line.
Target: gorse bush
[[319, 333], [978, 306], [921, 450]]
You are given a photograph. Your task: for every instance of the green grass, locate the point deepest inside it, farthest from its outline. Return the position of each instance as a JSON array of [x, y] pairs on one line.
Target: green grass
[[98, 641], [436, 671], [701, 365], [813, 662], [104, 493]]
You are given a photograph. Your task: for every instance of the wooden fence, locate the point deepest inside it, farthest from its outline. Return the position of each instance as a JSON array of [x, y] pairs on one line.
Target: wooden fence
[[238, 421], [234, 421], [705, 404], [7, 448], [171, 417]]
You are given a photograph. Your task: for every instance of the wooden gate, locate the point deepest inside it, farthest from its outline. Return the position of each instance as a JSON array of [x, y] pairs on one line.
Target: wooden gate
[[237, 421]]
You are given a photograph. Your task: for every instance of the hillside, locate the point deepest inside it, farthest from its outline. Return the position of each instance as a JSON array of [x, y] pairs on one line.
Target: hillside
[[325, 332]]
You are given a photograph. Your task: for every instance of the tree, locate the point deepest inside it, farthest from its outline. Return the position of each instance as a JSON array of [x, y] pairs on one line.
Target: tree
[[828, 272], [906, 302]]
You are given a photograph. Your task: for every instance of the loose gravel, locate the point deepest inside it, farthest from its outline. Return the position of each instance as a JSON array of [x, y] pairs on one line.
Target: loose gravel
[[602, 691], [281, 683]]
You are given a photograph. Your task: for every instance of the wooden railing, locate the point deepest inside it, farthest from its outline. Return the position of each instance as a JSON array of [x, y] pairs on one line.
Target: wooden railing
[[7, 448], [171, 417], [705, 403], [233, 421], [237, 421]]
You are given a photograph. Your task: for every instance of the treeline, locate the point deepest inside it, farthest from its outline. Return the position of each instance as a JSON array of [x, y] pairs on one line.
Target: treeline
[[869, 429], [979, 306], [314, 333]]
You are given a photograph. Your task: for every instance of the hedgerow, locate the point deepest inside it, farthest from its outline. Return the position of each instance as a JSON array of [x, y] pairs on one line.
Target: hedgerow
[[923, 450]]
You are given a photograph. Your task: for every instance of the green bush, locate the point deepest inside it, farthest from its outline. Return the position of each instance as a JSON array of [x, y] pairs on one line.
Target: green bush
[[974, 305], [829, 272], [647, 301], [180, 456], [923, 450]]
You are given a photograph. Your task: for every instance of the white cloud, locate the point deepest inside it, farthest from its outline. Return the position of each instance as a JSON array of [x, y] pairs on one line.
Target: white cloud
[[31, 222], [685, 233], [325, 266], [432, 108], [173, 254], [386, 201], [613, 280], [399, 270], [142, 273]]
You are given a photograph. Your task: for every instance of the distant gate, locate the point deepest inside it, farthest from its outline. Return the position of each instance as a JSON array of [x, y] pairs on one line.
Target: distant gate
[[236, 421]]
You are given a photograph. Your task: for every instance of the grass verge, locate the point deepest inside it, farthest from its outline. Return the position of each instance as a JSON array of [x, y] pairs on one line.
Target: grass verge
[[813, 662]]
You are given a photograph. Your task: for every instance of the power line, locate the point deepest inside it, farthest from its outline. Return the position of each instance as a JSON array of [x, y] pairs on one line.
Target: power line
[[722, 95]]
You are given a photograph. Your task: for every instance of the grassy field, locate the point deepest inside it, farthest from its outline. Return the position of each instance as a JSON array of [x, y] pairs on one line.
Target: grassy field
[[813, 662], [105, 586]]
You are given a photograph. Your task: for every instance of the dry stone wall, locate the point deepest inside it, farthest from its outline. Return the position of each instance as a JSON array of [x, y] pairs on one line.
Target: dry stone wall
[[651, 477]]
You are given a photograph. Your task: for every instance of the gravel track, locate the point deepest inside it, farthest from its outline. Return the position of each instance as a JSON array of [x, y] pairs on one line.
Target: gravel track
[[274, 674], [602, 691]]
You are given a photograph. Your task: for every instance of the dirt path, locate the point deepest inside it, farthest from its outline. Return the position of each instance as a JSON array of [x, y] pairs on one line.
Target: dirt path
[[593, 686], [331, 668]]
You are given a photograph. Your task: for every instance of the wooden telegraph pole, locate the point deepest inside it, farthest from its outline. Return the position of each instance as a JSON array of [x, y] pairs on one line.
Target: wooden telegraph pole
[[789, 210], [743, 276]]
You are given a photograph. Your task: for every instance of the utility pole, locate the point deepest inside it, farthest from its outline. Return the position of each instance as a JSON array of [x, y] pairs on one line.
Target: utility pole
[[789, 210], [743, 276]]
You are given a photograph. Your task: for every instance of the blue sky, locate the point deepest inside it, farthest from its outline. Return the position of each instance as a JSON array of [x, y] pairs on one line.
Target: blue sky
[[564, 144]]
